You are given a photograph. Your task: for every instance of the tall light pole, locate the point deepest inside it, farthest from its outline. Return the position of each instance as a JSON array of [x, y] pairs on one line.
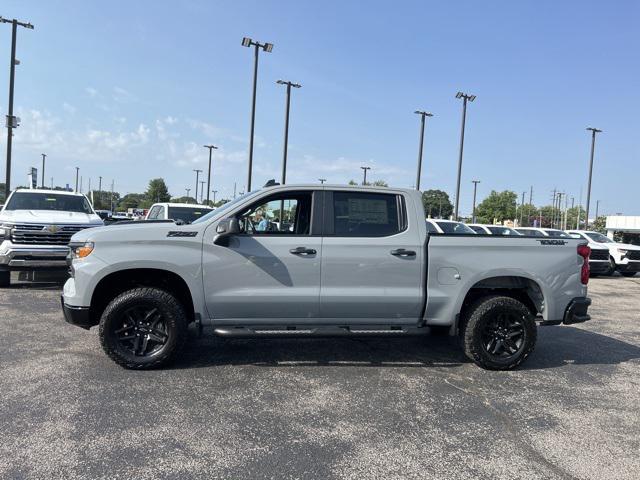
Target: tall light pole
[[597, 208], [211, 148], [202, 182], [188, 190], [12, 121], [77, 171], [214, 195], [100, 192], [267, 47], [286, 124], [44, 155], [422, 122], [322, 180], [465, 98], [364, 169], [521, 208], [475, 187], [593, 146], [197, 180]]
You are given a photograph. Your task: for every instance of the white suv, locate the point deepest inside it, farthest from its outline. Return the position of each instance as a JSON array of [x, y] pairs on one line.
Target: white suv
[[623, 257], [180, 213]]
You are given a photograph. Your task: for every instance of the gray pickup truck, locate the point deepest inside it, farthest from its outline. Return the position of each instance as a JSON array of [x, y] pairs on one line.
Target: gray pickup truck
[[302, 260]]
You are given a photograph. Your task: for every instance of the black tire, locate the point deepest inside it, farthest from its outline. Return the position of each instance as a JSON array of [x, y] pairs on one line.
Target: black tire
[[5, 279], [628, 274], [498, 333], [612, 267], [143, 328]]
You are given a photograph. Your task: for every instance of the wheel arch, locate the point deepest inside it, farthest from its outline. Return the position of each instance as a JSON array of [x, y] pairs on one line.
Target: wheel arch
[[120, 281]]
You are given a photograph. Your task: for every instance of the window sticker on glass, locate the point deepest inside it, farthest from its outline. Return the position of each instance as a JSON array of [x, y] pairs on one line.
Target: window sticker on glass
[[368, 210]]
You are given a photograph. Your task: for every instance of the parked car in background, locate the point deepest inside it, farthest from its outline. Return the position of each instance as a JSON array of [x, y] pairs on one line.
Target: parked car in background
[[492, 229], [448, 226], [622, 257], [531, 231], [36, 226], [180, 213], [355, 261]]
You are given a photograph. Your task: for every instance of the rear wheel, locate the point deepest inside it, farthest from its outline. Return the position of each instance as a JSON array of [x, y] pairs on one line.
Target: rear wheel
[[5, 279], [143, 328], [498, 333], [628, 274]]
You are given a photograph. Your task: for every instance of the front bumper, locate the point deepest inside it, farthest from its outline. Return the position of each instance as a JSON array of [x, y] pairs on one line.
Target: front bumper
[[29, 257], [78, 316], [599, 267], [631, 266], [577, 311]]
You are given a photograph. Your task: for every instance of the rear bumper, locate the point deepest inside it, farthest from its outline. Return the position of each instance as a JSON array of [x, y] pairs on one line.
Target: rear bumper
[[78, 316], [577, 311], [17, 257]]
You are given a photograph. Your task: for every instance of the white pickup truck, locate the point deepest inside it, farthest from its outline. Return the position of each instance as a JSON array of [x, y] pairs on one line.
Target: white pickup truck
[[351, 261], [36, 226]]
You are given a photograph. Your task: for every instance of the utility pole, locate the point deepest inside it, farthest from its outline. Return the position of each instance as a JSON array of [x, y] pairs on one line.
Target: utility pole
[[267, 47], [286, 125], [364, 169], [111, 202], [211, 148], [593, 146], [553, 209], [521, 208], [188, 190], [475, 187], [579, 211], [202, 182], [51, 183], [530, 205], [44, 155], [465, 97], [422, 122], [100, 192], [80, 183], [197, 180], [597, 208], [214, 195], [12, 121], [77, 170]]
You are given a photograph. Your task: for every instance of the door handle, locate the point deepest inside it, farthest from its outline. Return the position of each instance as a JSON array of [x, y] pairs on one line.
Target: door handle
[[302, 251], [401, 252]]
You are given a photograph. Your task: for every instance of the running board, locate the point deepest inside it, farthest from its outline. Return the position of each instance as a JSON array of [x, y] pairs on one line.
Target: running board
[[318, 331]]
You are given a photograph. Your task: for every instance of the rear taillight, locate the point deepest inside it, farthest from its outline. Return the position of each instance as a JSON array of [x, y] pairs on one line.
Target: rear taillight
[[584, 251]]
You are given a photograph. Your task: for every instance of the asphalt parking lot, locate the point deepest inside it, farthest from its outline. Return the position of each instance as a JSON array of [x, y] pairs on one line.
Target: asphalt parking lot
[[320, 408]]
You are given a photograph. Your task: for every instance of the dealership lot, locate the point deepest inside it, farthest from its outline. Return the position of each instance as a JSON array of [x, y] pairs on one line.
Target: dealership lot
[[320, 408]]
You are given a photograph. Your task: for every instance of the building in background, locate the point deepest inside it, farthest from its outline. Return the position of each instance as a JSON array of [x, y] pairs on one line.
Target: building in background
[[626, 228]]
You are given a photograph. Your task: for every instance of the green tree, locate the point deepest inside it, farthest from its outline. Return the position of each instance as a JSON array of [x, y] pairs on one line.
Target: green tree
[[379, 183], [353, 182], [184, 200], [599, 224], [498, 206], [437, 204], [157, 191], [102, 200], [131, 200]]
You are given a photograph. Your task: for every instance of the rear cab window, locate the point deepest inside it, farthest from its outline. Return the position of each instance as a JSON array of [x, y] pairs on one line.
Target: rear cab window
[[366, 214]]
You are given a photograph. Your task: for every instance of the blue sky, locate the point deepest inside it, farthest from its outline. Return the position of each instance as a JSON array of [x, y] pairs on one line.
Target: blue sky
[[132, 90]]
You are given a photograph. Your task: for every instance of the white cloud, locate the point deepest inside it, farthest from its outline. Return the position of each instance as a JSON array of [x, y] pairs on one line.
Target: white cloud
[[121, 95], [69, 108], [91, 91]]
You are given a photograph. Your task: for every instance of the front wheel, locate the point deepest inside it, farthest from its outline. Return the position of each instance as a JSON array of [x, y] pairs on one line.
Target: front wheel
[[5, 279], [143, 328], [498, 333], [612, 267]]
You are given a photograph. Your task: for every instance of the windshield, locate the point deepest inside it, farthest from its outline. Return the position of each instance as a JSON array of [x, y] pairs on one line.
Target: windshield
[[599, 238], [497, 230], [454, 227], [530, 233], [557, 233], [224, 208], [48, 201], [187, 214]]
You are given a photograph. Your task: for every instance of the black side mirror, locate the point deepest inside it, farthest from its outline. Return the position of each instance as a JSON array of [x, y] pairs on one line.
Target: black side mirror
[[225, 229]]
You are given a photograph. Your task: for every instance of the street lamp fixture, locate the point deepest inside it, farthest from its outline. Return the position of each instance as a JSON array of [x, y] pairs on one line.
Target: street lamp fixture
[[465, 98], [197, 179], [364, 169], [422, 121], [267, 47]]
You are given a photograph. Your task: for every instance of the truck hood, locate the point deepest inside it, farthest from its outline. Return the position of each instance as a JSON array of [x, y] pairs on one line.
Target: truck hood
[[140, 231], [49, 217]]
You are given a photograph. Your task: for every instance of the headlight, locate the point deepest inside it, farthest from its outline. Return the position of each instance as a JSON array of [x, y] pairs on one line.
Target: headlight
[[622, 251], [5, 231], [80, 250]]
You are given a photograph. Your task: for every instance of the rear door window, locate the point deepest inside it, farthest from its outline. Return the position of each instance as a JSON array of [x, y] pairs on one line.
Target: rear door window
[[360, 214]]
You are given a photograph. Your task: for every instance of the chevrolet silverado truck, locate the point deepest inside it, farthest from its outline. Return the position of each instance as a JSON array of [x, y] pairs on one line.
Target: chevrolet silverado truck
[[621, 257], [350, 261], [36, 226]]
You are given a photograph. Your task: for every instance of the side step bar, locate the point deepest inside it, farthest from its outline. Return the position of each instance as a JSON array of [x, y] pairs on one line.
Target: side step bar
[[318, 331]]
